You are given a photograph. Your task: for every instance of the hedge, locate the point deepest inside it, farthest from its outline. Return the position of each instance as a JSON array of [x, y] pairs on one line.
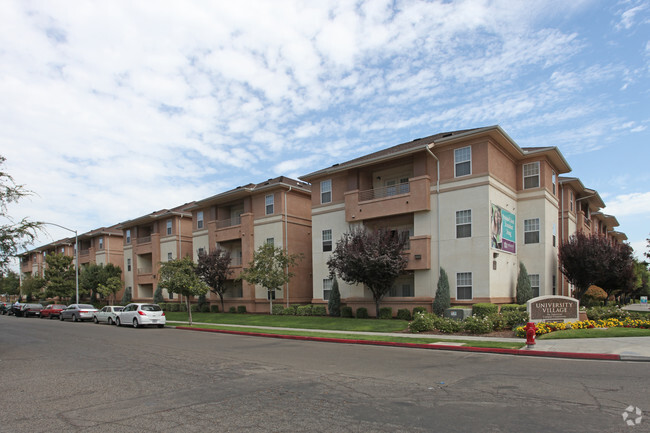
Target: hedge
[[484, 309], [385, 313]]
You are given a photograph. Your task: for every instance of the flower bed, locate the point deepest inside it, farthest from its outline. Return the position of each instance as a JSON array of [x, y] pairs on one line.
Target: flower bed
[[545, 328]]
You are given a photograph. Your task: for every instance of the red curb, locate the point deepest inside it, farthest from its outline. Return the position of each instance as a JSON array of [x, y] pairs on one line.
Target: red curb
[[521, 352]]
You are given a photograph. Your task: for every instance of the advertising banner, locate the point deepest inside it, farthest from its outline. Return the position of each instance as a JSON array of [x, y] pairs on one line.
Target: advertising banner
[[503, 229]]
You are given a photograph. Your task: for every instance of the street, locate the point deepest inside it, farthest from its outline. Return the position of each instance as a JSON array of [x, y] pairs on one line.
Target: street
[[82, 377]]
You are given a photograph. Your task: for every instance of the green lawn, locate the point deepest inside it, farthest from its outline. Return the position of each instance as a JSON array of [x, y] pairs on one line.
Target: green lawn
[[596, 333], [303, 322]]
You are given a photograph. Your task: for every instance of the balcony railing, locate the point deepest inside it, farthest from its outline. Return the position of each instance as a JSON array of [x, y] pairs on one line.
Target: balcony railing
[[144, 239], [386, 191], [143, 271], [229, 222], [235, 261], [84, 252]]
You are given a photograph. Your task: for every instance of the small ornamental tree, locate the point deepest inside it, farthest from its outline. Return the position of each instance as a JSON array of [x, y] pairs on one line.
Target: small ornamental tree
[[442, 300], [179, 276], [127, 296], [524, 289], [372, 258], [270, 269], [158, 296], [60, 276], [110, 287], [334, 302], [214, 269]]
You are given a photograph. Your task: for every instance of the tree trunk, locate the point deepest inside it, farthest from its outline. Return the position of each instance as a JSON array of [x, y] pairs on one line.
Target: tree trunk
[[189, 309], [222, 307], [377, 308]]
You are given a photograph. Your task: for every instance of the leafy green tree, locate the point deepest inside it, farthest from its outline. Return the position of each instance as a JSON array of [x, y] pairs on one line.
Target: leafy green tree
[[60, 276], [372, 258], [110, 287], [443, 299], [32, 286], [14, 235], [524, 289], [334, 302], [10, 283], [94, 275], [158, 296], [179, 276], [270, 269], [214, 269]]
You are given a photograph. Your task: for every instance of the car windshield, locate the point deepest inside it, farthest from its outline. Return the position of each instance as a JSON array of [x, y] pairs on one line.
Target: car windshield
[[150, 307], [58, 306], [85, 306], [118, 308]]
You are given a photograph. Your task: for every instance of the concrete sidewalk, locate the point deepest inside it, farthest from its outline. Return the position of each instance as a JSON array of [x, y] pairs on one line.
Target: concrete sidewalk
[[621, 348]]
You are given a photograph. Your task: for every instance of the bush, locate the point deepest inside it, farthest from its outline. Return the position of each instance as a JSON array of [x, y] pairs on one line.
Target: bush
[[205, 308], [277, 310], [195, 308], [214, 308], [385, 313], [513, 307], [289, 311], [422, 322], [484, 309], [182, 308], [241, 309], [419, 310], [362, 313], [172, 306], [162, 305], [447, 325], [524, 290], [346, 312], [442, 300], [158, 296], [403, 314], [334, 302], [498, 321], [477, 325], [232, 309], [602, 313], [318, 310], [303, 310], [515, 318]]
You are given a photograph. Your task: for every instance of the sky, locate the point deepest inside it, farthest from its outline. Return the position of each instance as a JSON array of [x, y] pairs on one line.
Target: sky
[[111, 110]]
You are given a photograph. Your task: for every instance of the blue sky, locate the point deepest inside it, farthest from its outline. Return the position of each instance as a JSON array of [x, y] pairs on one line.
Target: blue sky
[[111, 110]]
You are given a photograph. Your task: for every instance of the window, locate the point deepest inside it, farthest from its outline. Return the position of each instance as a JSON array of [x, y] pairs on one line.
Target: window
[[169, 227], [534, 284], [170, 295], [101, 243], [571, 201], [326, 191], [62, 250], [169, 257], [327, 240], [554, 181], [531, 175], [554, 285], [270, 241], [128, 265], [270, 294], [128, 236], [201, 251], [199, 219], [327, 288], [463, 161], [531, 231], [554, 235], [464, 223], [463, 285], [403, 288], [397, 186], [268, 201]]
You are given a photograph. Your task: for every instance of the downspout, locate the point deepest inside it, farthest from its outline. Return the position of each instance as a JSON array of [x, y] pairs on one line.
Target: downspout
[[561, 276], [286, 238], [437, 202]]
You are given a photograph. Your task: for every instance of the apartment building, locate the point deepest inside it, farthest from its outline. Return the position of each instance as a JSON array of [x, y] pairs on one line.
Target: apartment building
[[276, 211], [32, 262], [148, 240], [472, 202], [101, 246]]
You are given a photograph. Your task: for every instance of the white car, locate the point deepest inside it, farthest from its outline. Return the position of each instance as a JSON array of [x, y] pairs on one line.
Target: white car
[[107, 314], [141, 315]]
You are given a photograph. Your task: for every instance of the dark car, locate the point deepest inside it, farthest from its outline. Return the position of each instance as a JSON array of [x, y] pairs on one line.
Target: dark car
[[5, 307], [52, 311], [27, 310], [14, 309]]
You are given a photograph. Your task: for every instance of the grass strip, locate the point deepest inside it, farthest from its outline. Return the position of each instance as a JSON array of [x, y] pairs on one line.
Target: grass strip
[[595, 333]]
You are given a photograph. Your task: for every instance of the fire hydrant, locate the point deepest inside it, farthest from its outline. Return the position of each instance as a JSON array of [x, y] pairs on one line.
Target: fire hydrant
[[531, 329]]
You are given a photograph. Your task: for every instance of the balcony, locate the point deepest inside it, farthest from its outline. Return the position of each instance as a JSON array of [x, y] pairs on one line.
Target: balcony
[[144, 240], [396, 199], [419, 253]]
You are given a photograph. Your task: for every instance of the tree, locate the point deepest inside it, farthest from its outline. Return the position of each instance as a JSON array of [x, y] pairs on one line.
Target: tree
[[270, 269], [60, 276], [371, 258], [9, 283], [14, 235], [32, 286], [94, 275], [179, 276], [524, 290], [110, 287], [642, 283], [443, 299], [158, 296], [593, 260], [127, 296], [334, 302], [214, 269]]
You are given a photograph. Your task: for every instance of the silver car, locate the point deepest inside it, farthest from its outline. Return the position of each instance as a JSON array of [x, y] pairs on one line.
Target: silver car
[[141, 315], [107, 314], [78, 312]]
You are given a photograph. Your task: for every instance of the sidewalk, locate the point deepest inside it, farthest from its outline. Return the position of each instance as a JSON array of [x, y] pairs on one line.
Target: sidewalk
[[621, 348]]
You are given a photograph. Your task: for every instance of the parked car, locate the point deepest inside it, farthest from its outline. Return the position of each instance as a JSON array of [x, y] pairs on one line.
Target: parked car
[[78, 312], [4, 307], [107, 314], [27, 310], [14, 308], [52, 310], [141, 315]]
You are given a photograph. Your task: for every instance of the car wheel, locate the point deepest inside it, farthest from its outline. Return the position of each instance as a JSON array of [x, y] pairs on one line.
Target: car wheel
[[117, 322], [95, 320], [74, 317], [161, 326], [135, 323], [60, 317], [51, 316], [110, 321]]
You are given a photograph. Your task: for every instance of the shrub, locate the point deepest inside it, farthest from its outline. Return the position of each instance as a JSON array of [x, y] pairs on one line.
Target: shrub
[[303, 310], [419, 310], [524, 291], [182, 308], [498, 321], [277, 310], [602, 313], [362, 313], [232, 309], [126, 298], [484, 309], [593, 297], [205, 308], [477, 325], [385, 313], [158, 296], [241, 309], [173, 307], [515, 318], [162, 305], [346, 312], [513, 307], [195, 308], [403, 314], [318, 310], [289, 311], [442, 300], [334, 302], [214, 308], [447, 325], [422, 322]]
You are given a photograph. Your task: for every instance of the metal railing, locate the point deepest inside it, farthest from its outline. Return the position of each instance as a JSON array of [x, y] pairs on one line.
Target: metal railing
[[144, 239], [229, 222], [386, 191]]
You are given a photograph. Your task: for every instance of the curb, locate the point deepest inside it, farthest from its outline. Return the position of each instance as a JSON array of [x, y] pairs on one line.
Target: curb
[[520, 352]]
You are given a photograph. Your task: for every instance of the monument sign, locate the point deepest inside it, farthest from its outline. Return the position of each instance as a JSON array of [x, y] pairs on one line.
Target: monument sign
[[553, 309]]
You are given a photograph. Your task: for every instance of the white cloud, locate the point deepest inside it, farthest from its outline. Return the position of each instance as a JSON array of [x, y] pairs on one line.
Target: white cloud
[[637, 203]]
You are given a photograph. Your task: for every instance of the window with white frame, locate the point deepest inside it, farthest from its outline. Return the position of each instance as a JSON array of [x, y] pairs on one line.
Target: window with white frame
[[327, 288], [128, 236], [402, 287], [326, 191], [199, 219], [531, 175], [463, 161], [531, 231], [101, 243], [554, 181], [463, 285], [169, 227], [534, 284], [268, 202], [270, 241], [571, 200], [464, 223], [327, 240], [170, 257]]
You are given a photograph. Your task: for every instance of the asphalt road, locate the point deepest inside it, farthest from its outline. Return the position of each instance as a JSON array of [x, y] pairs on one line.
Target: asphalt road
[[82, 377]]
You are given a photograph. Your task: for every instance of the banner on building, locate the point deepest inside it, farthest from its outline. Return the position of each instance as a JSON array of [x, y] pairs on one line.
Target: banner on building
[[502, 227]]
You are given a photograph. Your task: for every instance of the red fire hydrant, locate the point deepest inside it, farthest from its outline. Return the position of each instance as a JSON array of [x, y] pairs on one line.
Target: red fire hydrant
[[531, 329]]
